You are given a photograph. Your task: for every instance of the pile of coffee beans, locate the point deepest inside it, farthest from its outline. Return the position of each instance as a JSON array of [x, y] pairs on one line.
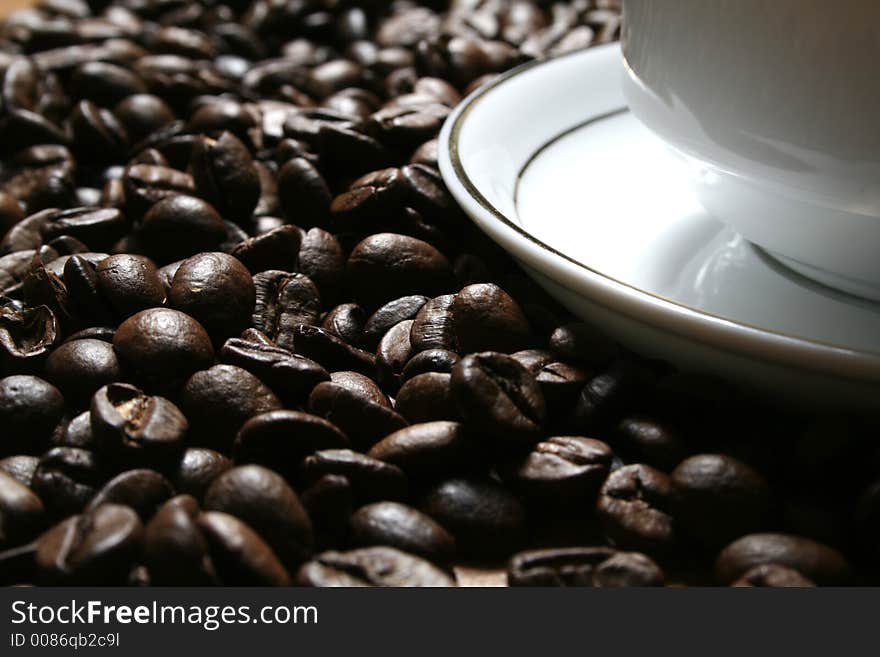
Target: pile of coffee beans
[[247, 337]]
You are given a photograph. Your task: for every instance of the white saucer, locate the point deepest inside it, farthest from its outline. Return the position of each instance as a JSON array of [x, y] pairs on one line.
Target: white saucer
[[550, 164]]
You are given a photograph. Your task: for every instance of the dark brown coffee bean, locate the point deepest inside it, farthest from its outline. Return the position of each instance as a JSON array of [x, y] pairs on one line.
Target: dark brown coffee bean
[[198, 467], [276, 249], [388, 266], [391, 314], [393, 354], [219, 400], [282, 439], [625, 569], [582, 343], [291, 377], [433, 326], [430, 450], [163, 346], [369, 203], [402, 527], [773, 575], [361, 386], [66, 478], [485, 519], [263, 500], [486, 318], [30, 408], [606, 395], [225, 176], [718, 498], [820, 563], [20, 467], [329, 502], [427, 397], [634, 507], [176, 552], [106, 84], [331, 351], [321, 258], [97, 135], [432, 360], [80, 367], [22, 514], [238, 554], [497, 395], [216, 290], [129, 284], [651, 442], [363, 420], [371, 479], [303, 193], [143, 490], [345, 321], [562, 468], [99, 547], [137, 429], [142, 114], [283, 302], [178, 226], [147, 184], [99, 228], [573, 566], [374, 566]]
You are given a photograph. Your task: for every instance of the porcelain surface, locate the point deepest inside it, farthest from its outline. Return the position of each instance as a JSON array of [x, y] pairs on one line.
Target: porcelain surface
[[550, 163]]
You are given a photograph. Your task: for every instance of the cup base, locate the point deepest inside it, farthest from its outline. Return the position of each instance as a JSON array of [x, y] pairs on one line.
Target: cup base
[[836, 282]]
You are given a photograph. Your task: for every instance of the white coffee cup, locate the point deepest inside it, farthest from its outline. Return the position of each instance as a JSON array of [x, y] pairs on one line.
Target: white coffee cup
[[777, 104]]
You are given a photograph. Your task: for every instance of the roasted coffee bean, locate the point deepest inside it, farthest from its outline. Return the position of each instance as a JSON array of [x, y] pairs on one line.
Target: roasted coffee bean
[[373, 566], [225, 176], [198, 467], [84, 296], [388, 266], [30, 408], [142, 490], [582, 343], [329, 502], [239, 555], [484, 518], [393, 354], [605, 396], [333, 352], [432, 360], [427, 397], [818, 562], [574, 566], [80, 367], [276, 249], [303, 193], [321, 258], [137, 429], [11, 212], [178, 226], [648, 441], [625, 569], [431, 450], [363, 420], [262, 499], [486, 318], [219, 400], [99, 228], [129, 284], [98, 547], [22, 514], [562, 468], [497, 395], [345, 321], [106, 84], [389, 315], [285, 301], [402, 527], [175, 551], [76, 433], [634, 507], [147, 184], [163, 346], [371, 480], [97, 135], [283, 438], [291, 377], [433, 326], [66, 478], [20, 467], [718, 498], [369, 203], [216, 290], [142, 114], [773, 575], [361, 386]]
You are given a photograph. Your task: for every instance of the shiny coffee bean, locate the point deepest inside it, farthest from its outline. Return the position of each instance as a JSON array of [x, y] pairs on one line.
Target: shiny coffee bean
[[392, 355], [303, 193], [574, 566], [579, 342], [345, 321], [818, 562], [129, 284], [30, 408], [80, 367], [142, 490], [364, 420], [389, 315], [774, 576], [427, 397], [147, 184], [402, 527], [648, 441], [275, 249], [225, 176], [634, 507], [432, 360], [371, 480], [373, 566], [66, 478], [21, 511], [430, 450], [283, 302], [433, 326], [239, 555], [486, 318], [322, 259], [20, 467], [336, 354], [198, 467], [176, 552], [178, 226], [329, 502]]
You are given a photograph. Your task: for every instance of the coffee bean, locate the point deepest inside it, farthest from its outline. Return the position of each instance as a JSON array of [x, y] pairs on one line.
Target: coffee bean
[[239, 555], [163, 346], [198, 467], [137, 429], [143, 490], [486, 318], [345, 321], [388, 266], [326, 348], [99, 228], [485, 519], [361, 386], [363, 420], [374, 566], [66, 478], [497, 395], [432, 360], [402, 527], [217, 291], [562, 468], [283, 302], [625, 569], [219, 400], [21, 511], [98, 547], [291, 377], [574, 566], [147, 184], [371, 479], [582, 343], [433, 326], [176, 552], [329, 502], [275, 249], [426, 398], [303, 193], [129, 284], [321, 259], [430, 450], [774, 576], [648, 441], [225, 176], [818, 562], [141, 114], [194, 224], [80, 367], [718, 498], [393, 354], [634, 507], [389, 315], [29, 410], [20, 467], [604, 397], [263, 500], [97, 135]]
